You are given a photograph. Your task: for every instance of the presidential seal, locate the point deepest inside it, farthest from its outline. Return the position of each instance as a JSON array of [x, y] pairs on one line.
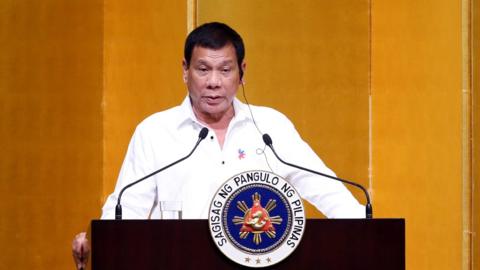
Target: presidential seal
[[257, 218]]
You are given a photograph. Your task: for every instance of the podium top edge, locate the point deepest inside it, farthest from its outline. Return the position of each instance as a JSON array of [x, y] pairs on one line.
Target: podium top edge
[[205, 220]]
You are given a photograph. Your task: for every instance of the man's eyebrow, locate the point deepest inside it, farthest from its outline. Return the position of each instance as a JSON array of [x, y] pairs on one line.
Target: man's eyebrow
[[204, 62]]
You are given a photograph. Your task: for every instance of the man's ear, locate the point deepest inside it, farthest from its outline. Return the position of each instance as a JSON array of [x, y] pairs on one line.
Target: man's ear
[[185, 70], [242, 72]]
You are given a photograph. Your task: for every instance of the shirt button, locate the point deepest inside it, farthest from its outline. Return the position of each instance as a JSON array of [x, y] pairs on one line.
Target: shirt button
[[211, 138], [223, 162]]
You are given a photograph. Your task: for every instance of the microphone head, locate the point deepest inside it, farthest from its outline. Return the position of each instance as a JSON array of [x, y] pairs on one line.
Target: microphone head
[[203, 133], [266, 139]]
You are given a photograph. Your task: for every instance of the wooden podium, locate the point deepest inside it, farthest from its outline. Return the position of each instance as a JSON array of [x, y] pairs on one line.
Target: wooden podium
[[187, 244]]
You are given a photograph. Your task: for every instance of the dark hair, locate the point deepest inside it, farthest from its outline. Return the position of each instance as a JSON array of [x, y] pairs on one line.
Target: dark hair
[[214, 35]]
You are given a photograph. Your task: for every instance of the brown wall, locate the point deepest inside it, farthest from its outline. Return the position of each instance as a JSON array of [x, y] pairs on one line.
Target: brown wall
[[143, 70], [417, 126], [476, 132], [50, 128]]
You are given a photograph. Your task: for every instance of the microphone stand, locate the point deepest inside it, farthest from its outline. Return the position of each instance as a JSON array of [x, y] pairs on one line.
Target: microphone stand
[[118, 208], [368, 207]]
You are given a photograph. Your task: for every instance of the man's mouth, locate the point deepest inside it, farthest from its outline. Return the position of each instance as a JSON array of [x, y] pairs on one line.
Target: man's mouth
[[213, 99]]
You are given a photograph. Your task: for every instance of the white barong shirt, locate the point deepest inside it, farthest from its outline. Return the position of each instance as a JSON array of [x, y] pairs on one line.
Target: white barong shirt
[[169, 135]]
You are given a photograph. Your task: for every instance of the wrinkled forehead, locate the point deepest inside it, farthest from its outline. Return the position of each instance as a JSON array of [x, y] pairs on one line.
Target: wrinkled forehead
[[223, 54]]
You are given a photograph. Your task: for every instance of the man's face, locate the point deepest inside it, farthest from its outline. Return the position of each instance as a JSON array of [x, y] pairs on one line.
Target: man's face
[[212, 80]]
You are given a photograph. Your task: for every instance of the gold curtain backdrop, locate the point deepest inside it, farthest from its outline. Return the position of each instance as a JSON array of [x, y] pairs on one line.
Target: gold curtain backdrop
[[51, 87], [382, 90]]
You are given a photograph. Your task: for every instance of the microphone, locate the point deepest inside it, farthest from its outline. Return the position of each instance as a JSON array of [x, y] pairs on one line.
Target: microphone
[[118, 209], [368, 208]]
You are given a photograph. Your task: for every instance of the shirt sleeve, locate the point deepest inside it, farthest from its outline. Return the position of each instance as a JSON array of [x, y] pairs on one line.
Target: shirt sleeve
[[137, 201]]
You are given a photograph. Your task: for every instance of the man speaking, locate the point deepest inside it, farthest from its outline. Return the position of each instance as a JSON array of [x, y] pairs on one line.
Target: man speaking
[[213, 70]]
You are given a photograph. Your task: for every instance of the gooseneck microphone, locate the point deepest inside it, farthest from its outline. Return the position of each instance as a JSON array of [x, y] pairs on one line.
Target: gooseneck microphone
[[118, 209], [368, 208]]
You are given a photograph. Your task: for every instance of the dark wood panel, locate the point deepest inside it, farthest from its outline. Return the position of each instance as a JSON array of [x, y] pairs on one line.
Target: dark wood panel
[[171, 244]]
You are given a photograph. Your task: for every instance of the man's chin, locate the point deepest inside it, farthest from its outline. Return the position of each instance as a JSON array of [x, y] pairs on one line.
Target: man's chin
[[214, 109], [214, 112]]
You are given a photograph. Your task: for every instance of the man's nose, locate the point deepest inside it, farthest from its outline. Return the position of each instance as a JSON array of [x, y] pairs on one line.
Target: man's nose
[[214, 80]]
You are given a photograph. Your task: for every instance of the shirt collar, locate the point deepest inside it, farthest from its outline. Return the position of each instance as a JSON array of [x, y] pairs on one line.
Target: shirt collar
[[187, 116]]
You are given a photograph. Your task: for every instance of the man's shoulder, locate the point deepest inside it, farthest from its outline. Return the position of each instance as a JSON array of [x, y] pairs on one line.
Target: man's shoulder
[[165, 118], [268, 114]]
